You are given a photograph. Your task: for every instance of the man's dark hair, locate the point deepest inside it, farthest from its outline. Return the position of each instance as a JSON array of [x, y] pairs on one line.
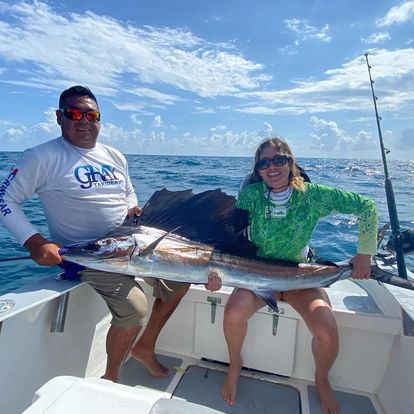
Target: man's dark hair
[[76, 91]]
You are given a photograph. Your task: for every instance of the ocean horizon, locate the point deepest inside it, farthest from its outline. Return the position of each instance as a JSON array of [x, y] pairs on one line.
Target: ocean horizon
[[378, 158]]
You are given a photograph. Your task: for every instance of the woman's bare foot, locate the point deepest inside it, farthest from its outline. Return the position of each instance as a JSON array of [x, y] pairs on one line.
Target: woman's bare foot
[[329, 404], [149, 359], [229, 389]]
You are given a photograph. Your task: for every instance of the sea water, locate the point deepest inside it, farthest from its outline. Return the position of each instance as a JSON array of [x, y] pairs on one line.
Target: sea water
[[334, 237]]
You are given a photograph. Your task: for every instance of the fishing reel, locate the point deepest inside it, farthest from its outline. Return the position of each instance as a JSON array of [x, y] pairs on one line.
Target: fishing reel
[[405, 240]]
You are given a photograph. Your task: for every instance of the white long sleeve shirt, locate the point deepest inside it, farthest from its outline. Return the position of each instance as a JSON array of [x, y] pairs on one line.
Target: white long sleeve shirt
[[85, 193]]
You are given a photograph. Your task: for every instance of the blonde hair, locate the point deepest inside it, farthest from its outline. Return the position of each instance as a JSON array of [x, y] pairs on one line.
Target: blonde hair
[[295, 179]]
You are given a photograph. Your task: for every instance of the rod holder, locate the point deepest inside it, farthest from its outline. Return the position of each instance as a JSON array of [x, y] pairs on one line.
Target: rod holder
[[59, 318]]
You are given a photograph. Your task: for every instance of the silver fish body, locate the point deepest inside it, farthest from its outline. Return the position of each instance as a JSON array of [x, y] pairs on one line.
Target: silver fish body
[[179, 259]]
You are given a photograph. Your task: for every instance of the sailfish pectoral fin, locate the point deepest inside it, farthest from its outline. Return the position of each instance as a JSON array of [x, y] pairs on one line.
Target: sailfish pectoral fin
[[268, 297], [151, 247]]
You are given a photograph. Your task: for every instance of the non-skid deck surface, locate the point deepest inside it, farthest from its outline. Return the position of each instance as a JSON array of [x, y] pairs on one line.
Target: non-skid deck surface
[[134, 373], [202, 386], [349, 403]]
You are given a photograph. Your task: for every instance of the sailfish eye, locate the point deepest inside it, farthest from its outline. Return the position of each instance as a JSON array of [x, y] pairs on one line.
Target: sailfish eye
[[116, 247]]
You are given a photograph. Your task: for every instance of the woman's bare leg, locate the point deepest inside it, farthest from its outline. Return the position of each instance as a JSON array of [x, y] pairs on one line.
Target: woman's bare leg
[[314, 307]]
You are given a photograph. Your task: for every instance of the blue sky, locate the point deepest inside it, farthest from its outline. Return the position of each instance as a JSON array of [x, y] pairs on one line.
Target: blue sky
[[214, 77]]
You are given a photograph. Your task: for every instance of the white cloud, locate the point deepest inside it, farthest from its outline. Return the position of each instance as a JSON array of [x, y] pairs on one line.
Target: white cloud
[[267, 130], [157, 122], [56, 45], [133, 107], [156, 95], [203, 110], [232, 141], [268, 110], [6, 122], [128, 106], [22, 137], [288, 50], [406, 142], [363, 141], [361, 119], [397, 14], [305, 31], [135, 120], [344, 88], [127, 141], [213, 19], [12, 138], [376, 38], [327, 136]]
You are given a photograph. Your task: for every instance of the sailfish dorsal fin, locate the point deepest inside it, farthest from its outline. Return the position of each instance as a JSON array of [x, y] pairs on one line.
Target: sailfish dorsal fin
[[209, 217]]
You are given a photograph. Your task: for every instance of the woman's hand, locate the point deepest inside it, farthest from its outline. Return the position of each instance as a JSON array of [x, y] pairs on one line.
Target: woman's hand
[[361, 266], [214, 282]]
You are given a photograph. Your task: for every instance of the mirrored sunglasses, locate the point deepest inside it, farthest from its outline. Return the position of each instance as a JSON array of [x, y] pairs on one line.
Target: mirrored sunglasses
[[76, 114], [277, 160]]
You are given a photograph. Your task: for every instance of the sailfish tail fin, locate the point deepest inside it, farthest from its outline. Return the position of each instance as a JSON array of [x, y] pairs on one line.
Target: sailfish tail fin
[[268, 298]]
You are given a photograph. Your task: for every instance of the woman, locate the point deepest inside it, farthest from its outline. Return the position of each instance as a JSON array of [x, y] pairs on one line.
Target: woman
[[283, 213]]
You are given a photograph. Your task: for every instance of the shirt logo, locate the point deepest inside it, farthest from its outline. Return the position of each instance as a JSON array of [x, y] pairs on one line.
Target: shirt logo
[[4, 209], [89, 175], [276, 211]]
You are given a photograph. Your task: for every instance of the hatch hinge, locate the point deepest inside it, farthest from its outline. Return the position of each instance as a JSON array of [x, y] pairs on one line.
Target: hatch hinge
[[213, 307], [275, 318]]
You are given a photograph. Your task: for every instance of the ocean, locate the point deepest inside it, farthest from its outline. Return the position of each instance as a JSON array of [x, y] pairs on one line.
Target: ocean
[[334, 237]]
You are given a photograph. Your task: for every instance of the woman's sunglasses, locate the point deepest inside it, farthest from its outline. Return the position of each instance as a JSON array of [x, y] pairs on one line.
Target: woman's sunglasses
[[277, 160], [76, 114]]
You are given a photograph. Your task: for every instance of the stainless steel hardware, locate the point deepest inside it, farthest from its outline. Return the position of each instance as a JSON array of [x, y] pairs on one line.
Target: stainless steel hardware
[[214, 301]]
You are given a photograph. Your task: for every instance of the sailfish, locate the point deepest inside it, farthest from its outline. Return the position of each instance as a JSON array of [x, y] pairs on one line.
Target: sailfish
[[183, 237]]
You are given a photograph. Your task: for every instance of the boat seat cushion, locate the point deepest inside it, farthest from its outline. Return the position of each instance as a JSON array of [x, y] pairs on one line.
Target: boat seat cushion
[[66, 394]]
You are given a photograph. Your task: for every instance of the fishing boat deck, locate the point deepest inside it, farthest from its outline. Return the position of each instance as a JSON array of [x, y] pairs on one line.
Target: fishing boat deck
[[278, 372], [194, 385], [199, 382]]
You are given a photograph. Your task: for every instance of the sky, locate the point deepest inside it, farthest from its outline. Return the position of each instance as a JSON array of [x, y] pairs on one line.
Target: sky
[[216, 77]]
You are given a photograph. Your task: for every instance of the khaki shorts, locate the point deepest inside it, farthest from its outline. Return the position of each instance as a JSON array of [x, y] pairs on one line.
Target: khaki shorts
[[123, 295], [164, 289]]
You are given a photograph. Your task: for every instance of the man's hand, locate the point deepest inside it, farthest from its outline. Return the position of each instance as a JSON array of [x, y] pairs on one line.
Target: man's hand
[[42, 251], [361, 266], [134, 211], [214, 282]]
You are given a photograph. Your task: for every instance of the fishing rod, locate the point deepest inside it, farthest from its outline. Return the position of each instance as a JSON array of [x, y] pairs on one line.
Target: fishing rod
[[11, 259], [61, 251], [392, 207]]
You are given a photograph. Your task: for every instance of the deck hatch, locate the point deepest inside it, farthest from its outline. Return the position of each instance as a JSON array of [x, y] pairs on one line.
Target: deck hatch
[[349, 403], [201, 385]]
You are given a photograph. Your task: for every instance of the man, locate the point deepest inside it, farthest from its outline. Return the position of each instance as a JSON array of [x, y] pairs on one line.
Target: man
[[86, 192]]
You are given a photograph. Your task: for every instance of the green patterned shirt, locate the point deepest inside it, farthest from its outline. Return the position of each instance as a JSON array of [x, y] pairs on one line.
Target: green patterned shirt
[[282, 232]]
